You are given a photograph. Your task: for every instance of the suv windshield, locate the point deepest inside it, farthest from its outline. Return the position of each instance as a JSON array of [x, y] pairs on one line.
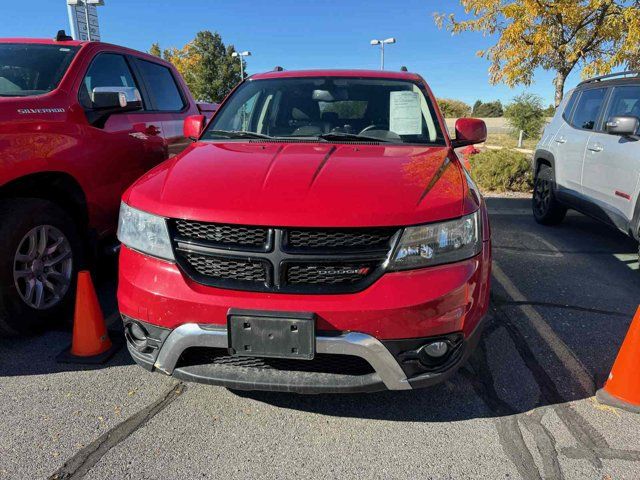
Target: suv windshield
[[328, 109], [32, 69]]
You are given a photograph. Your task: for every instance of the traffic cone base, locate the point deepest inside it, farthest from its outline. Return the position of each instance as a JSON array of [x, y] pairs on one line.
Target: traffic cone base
[[622, 389], [91, 343], [606, 398]]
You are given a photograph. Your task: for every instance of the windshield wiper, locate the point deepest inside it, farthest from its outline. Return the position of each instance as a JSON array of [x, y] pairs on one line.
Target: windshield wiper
[[238, 134], [350, 136]]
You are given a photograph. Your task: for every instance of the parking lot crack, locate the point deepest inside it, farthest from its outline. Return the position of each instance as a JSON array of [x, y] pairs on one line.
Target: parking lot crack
[[83, 461]]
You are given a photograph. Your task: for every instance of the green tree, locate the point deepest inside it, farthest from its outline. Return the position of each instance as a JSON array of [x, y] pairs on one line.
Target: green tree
[[206, 65], [550, 111], [155, 49], [475, 108], [489, 110], [555, 35], [453, 108], [525, 113]]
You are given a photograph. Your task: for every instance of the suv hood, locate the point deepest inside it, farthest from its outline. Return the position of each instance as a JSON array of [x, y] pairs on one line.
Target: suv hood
[[304, 184]]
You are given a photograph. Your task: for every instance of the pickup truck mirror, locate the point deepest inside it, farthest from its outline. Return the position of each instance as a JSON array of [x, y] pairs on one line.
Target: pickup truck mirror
[[469, 131], [623, 125], [116, 99], [193, 126]]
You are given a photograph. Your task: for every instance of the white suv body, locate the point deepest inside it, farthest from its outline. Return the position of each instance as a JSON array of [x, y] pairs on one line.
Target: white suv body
[[589, 156]]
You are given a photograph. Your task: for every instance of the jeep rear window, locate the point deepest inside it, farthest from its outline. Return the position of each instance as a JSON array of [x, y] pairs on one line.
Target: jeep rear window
[[28, 69], [394, 111]]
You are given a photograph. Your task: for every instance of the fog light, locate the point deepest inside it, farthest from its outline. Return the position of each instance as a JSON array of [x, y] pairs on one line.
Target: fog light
[[137, 335], [436, 349]]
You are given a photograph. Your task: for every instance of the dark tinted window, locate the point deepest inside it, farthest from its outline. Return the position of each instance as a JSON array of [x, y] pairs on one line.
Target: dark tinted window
[[163, 88], [32, 69], [106, 70], [588, 108], [625, 101]]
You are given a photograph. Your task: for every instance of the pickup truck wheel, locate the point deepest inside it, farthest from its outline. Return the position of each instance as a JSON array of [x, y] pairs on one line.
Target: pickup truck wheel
[[39, 250], [546, 208]]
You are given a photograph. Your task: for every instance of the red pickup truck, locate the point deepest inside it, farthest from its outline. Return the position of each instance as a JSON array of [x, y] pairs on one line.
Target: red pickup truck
[[79, 122]]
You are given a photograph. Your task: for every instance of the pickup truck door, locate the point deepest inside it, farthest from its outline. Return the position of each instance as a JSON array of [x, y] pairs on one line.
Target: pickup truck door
[[120, 147], [168, 102], [612, 162]]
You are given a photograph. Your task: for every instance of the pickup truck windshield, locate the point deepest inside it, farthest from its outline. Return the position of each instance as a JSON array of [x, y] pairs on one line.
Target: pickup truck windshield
[[28, 69], [329, 109]]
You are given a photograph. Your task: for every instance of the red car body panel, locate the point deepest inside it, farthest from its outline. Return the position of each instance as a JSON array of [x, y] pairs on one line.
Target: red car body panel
[[305, 185], [55, 136]]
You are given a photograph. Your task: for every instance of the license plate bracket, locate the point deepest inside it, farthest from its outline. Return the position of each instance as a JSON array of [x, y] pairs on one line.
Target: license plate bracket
[[271, 334]]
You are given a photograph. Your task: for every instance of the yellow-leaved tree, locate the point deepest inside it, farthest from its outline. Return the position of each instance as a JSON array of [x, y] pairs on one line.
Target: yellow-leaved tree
[[556, 35]]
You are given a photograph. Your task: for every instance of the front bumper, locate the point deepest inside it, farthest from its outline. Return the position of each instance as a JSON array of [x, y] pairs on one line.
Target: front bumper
[[164, 351], [395, 315]]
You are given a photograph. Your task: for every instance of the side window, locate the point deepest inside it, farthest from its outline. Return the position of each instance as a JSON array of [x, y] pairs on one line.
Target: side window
[[625, 101], [106, 70], [588, 108], [566, 113], [162, 87]]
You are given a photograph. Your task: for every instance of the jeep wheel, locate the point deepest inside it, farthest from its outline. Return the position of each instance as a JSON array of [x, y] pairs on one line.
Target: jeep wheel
[[546, 208], [39, 250]]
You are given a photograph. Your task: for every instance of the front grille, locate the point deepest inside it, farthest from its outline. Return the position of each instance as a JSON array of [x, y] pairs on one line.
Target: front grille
[[321, 363], [228, 268], [281, 260], [220, 234], [327, 274], [332, 239]]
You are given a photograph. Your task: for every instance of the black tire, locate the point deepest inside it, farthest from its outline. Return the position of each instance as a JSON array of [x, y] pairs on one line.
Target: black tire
[[27, 220], [547, 210]]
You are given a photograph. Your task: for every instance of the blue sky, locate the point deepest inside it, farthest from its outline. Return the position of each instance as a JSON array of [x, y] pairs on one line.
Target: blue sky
[[298, 34]]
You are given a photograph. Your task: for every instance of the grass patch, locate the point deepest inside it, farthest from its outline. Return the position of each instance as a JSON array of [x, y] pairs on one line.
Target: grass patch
[[502, 171], [508, 141]]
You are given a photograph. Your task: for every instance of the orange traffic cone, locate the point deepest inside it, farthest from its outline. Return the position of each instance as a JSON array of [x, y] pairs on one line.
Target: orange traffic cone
[[622, 389], [90, 343]]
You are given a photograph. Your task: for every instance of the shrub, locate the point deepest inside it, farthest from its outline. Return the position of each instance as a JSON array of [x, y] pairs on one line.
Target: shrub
[[525, 113], [487, 110], [453, 108], [502, 170]]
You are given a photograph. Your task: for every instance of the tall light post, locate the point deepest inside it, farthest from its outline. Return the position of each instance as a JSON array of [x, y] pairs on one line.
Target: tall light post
[[77, 22], [240, 55], [382, 43]]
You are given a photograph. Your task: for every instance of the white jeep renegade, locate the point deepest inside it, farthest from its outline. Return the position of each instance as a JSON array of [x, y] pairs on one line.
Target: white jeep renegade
[[589, 156]]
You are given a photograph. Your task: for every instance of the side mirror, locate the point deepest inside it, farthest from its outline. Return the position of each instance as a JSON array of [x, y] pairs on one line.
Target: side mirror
[[115, 99], [623, 125], [469, 131], [193, 126]]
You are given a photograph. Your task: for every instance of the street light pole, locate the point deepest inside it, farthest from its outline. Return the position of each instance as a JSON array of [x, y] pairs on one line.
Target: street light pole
[[382, 44], [240, 55]]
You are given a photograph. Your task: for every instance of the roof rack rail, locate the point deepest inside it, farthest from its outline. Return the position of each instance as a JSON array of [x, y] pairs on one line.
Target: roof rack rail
[[634, 73]]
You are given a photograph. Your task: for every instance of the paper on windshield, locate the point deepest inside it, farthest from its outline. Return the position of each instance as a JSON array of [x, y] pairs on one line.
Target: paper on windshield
[[405, 116]]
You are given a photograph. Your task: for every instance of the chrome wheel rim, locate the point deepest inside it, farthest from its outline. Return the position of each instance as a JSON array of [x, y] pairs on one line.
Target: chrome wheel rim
[[42, 267], [542, 196]]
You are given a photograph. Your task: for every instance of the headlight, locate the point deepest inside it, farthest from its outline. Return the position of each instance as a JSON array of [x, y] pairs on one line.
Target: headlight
[[437, 243], [144, 232]]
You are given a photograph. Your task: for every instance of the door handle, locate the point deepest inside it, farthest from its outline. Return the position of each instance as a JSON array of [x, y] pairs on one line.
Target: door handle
[[561, 139], [595, 147], [152, 130]]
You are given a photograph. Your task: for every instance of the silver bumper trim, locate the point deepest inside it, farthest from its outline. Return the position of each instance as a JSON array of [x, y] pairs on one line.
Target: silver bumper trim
[[353, 343]]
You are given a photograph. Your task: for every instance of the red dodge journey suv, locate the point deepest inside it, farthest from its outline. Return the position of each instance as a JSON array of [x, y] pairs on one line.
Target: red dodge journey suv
[[321, 235]]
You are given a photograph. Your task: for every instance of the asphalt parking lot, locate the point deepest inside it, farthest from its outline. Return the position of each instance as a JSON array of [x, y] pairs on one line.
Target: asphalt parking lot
[[522, 407]]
